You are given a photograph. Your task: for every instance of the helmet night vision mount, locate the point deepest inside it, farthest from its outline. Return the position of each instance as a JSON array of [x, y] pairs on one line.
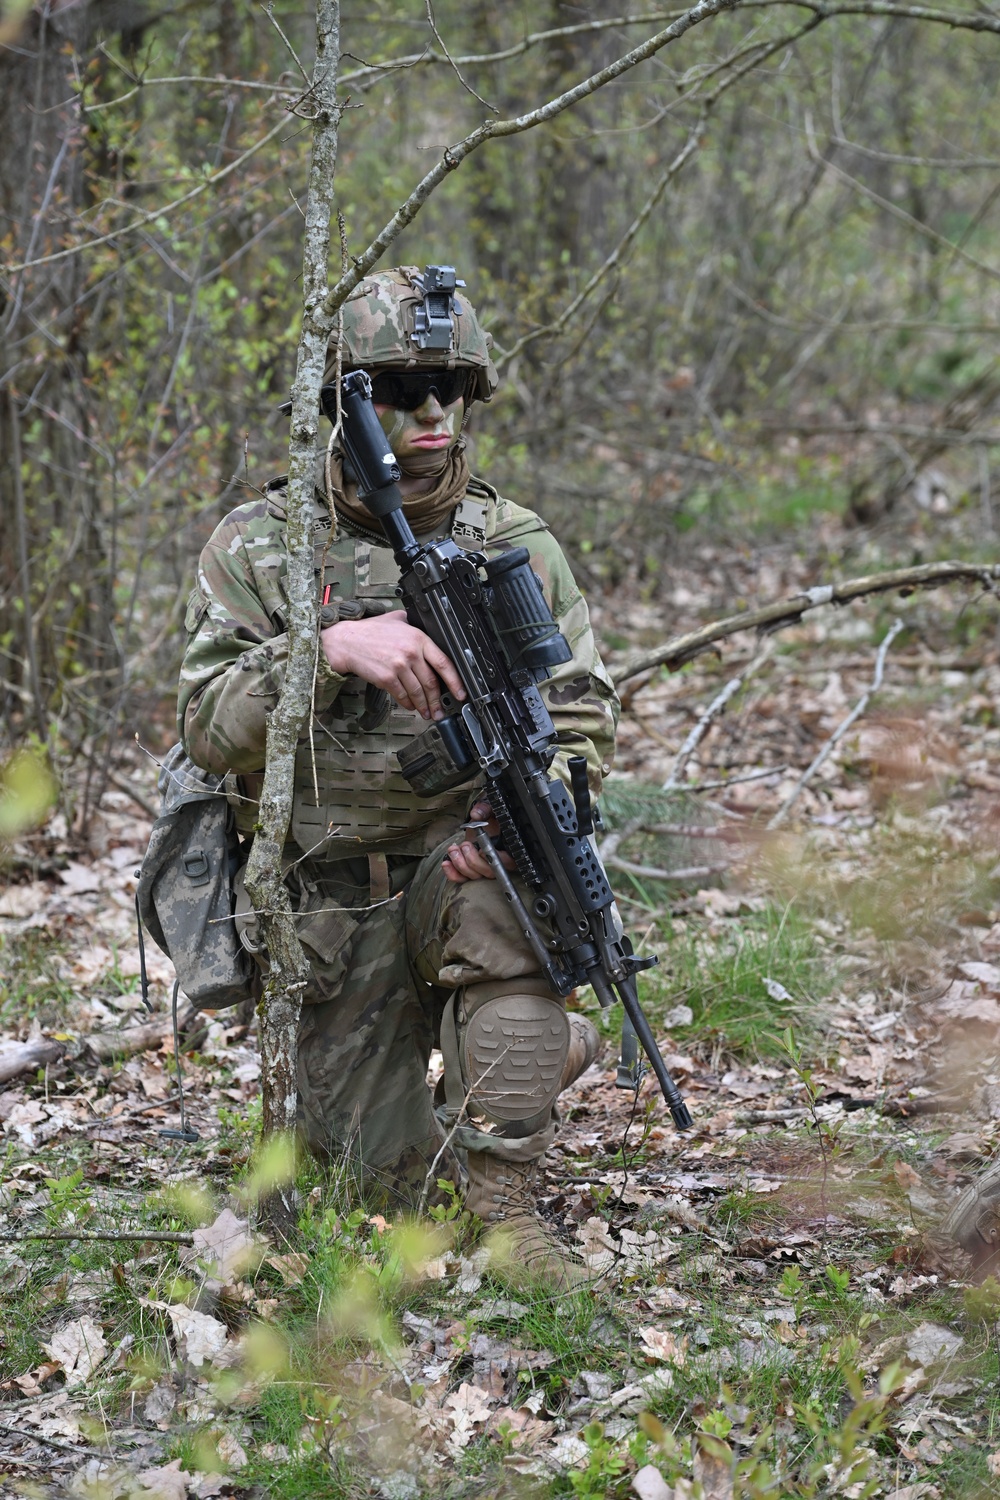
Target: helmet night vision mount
[[432, 323]]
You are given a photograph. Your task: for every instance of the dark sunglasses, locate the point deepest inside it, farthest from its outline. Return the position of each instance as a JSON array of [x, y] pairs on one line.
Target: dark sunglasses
[[407, 390]]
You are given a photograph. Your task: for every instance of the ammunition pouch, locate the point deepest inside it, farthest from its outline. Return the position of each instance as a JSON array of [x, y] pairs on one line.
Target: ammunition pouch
[[186, 896]]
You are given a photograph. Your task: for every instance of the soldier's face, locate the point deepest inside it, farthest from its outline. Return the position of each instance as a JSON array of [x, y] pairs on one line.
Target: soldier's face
[[422, 438]]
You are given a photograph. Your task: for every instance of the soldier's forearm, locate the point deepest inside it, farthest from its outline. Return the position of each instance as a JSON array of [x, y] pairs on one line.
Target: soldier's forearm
[[224, 724]]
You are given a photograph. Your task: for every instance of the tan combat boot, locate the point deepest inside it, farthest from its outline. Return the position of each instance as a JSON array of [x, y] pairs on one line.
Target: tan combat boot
[[501, 1193], [527, 1253]]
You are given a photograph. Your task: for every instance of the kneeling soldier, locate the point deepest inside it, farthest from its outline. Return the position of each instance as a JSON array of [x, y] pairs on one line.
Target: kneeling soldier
[[410, 941]]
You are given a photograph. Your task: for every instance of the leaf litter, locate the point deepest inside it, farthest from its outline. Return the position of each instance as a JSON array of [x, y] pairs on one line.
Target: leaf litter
[[782, 1186]]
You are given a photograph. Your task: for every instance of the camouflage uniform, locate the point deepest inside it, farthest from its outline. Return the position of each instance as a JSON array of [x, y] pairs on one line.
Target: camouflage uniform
[[401, 959]]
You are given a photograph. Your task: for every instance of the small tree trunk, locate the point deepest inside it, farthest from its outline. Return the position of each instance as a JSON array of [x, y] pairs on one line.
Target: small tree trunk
[[282, 1000]]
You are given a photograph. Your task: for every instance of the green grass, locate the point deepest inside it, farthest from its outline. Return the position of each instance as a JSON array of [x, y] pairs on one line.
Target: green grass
[[787, 1419], [720, 974], [30, 985]]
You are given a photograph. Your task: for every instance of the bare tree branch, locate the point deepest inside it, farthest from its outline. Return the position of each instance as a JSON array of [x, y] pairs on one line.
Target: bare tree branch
[[453, 156], [454, 65], [144, 221], [838, 734], [653, 872], [945, 437], [681, 648], [969, 21], [934, 163], [711, 713], [993, 272]]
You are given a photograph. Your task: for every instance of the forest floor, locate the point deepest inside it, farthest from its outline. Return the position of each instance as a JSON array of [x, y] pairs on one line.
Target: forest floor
[[774, 1310]]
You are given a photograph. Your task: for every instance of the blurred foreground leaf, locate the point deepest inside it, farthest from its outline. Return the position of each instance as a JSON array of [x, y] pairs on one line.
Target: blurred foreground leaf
[[27, 792]]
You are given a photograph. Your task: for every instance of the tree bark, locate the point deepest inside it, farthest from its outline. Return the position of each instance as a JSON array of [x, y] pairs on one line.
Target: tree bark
[[282, 1000]]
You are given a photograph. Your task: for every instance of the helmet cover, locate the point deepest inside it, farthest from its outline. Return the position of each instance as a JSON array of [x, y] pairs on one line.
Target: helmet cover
[[386, 321]]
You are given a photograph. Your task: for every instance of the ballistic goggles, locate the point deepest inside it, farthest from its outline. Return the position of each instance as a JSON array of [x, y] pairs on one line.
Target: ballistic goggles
[[406, 390]]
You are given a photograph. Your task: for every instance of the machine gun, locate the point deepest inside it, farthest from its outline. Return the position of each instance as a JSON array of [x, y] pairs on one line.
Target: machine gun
[[490, 617]]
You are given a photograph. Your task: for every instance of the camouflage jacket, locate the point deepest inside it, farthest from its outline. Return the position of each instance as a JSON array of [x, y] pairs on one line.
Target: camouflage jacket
[[234, 665]]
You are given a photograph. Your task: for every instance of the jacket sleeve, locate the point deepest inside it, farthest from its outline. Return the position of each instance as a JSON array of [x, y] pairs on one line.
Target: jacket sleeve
[[237, 646], [579, 695]]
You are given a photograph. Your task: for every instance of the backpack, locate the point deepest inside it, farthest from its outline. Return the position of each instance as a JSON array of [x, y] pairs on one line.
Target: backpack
[[185, 897]]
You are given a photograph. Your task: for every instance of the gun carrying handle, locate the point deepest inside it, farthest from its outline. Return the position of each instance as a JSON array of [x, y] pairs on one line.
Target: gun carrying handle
[[577, 766]]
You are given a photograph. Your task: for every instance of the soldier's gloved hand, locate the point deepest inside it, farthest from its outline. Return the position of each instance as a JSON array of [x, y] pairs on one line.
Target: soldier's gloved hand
[[390, 653], [464, 861]]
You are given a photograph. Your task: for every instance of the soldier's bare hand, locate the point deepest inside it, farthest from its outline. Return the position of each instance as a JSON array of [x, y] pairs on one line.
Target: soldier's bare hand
[[390, 653], [464, 861]]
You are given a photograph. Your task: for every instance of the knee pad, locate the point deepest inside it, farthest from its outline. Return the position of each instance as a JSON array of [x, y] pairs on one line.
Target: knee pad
[[514, 1037]]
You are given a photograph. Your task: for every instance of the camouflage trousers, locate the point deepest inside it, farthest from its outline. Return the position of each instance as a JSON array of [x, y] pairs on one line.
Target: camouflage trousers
[[385, 988]]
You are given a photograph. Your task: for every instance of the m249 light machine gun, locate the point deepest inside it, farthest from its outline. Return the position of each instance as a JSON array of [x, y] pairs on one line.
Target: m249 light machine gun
[[490, 617]]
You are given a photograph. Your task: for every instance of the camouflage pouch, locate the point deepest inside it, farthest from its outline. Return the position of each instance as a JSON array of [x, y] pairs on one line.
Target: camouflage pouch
[[186, 897]]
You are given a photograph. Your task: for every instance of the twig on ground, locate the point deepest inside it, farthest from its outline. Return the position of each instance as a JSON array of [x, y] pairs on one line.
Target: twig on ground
[[692, 831], [711, 713], [651, 872], [110, 1121], [840, 731], [134, 793], [27, 1435], [770, 1116], [713, 786], [159, 1236]]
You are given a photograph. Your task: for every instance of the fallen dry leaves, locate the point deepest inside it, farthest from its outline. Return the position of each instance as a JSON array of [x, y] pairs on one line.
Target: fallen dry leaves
[[913, 1023]]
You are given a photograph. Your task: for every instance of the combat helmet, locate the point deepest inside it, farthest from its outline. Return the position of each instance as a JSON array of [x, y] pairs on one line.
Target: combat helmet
[[411, 319]]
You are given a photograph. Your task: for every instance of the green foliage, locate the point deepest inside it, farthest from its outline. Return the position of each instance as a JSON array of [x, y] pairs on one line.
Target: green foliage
[[743, 980], [605, 1464], [754, 287]]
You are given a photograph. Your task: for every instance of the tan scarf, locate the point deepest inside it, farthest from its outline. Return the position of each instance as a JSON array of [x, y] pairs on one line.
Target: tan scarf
[[424, 512]]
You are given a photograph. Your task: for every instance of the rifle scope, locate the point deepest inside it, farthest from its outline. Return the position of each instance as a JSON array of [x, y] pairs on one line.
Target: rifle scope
[[523, 618]]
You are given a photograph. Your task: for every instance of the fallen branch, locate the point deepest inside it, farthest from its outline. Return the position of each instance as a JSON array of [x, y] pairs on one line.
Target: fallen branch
[[29, 1435], [710, 714], [840, 731], [609, 846], [714, 786], [770, 1116], [25, 1057], [137, 797], [650, 872], [158, 1236], [682, 648], [108, 1045], [695, 831]]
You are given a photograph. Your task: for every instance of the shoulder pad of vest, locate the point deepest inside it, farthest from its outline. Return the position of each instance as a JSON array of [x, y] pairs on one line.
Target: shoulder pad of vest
[[516, 520], [481, 489]]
